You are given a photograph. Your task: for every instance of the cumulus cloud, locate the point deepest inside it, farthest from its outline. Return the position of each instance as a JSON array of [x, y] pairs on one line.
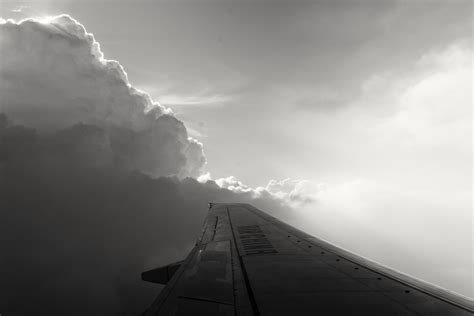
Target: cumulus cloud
[[290, 192], [295, 192], [95, 182], [53, 75], [232, 184]]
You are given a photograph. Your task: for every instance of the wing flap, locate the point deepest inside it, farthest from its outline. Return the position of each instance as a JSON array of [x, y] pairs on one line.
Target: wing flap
[[161, 275]]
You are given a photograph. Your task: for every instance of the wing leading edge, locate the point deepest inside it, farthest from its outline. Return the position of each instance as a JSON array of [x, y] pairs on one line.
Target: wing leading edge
[[249, 263]]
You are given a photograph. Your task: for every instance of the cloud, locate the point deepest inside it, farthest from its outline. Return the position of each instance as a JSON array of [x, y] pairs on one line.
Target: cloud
[[232, 184], [295, 192], [289, 192], [200, 99], [95, 180], [440, 101], [76, 230], [19, 9], [53, 75], [401, 180]]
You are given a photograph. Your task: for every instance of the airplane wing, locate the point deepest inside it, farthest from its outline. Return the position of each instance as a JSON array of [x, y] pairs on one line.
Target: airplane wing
[[249, 263]]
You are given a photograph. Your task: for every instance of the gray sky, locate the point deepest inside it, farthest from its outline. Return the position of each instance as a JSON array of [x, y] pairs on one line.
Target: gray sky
[[270, 65], [371, 99], [253, 71]]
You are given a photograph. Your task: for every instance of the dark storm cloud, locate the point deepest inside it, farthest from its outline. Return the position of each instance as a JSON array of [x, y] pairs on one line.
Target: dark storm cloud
[[84, 204], [76, 231]]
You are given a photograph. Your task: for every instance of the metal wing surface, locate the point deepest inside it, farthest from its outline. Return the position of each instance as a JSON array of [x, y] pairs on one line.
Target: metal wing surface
[[249, 263]]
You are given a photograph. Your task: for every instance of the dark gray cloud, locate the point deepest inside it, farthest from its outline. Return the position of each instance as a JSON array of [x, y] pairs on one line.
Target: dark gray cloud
[[76, 230]]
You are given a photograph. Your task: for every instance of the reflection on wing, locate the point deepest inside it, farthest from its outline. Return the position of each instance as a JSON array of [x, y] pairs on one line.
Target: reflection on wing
[[249, 263]]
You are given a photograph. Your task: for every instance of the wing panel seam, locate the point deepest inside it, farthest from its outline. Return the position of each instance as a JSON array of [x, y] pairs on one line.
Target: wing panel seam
[[244, 271]]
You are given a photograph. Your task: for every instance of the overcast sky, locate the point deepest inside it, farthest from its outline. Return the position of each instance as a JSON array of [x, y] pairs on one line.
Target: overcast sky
[[368, 100]]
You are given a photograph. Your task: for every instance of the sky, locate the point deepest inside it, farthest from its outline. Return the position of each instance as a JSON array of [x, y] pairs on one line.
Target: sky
[[272, 75], [268, 67], [264, 65], [366, 105]]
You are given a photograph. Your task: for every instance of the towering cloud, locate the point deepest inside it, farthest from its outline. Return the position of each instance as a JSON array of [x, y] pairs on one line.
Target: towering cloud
[[53, 75], [95, 178]]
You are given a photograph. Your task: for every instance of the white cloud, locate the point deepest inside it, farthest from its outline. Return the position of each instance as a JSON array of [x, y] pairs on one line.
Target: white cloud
[[53, 75], [175, 96], [205, 177], [232, 184], [437, 109], [293, 193], [408, 144], [200, 99]]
